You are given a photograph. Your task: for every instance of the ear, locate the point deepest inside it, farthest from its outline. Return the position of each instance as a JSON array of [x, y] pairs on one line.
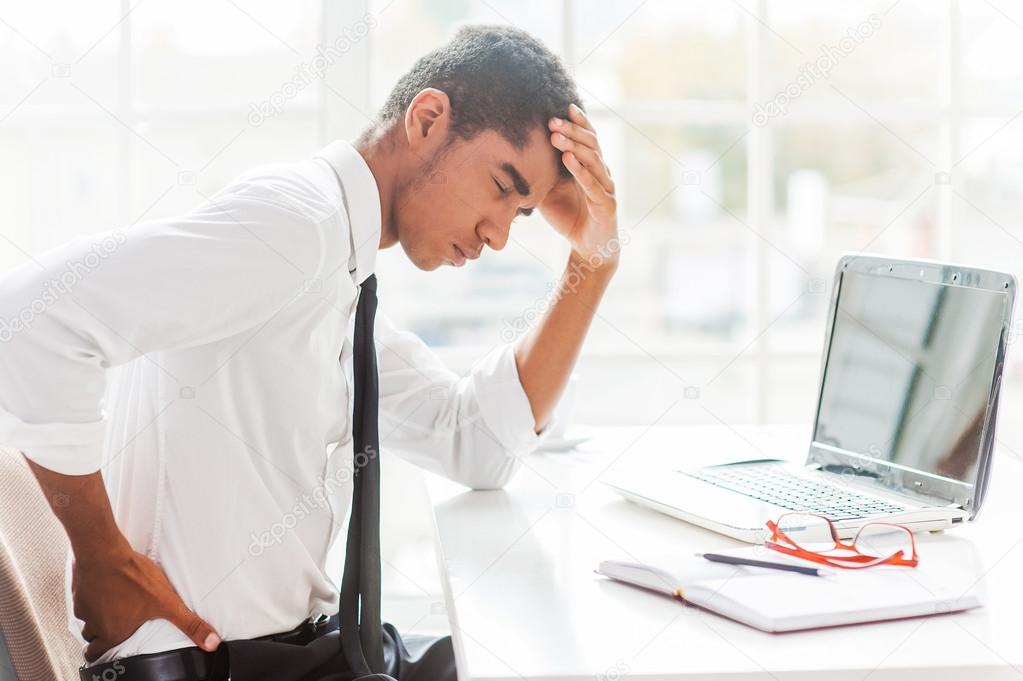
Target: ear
[[427, 119]]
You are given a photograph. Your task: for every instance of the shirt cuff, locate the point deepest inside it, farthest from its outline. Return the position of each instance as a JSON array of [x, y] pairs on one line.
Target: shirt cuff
[[66, 448], [503, 402]]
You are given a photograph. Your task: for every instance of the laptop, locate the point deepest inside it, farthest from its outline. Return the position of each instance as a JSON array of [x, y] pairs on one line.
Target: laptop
[[905, 419]]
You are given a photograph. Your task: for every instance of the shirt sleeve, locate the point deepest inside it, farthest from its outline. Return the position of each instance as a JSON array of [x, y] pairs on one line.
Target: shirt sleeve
[[471, 428], [101, 300]]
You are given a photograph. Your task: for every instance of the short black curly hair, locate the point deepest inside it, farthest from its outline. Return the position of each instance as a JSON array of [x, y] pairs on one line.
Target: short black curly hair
[[497, 78]]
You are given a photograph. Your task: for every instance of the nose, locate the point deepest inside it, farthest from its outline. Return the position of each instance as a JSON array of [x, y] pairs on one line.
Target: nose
[[493, 234]]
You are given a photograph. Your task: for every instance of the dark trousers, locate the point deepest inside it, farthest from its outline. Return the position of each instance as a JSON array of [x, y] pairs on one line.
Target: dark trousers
[[412, 658], [307, 657]]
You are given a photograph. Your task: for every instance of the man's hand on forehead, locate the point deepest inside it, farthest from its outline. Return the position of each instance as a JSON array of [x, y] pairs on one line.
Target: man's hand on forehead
[[584, 211]]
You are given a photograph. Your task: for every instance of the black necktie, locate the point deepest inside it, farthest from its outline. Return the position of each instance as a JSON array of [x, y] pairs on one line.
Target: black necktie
[[361, 634]]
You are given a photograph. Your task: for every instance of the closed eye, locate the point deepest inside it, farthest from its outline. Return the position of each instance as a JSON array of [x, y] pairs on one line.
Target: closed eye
[[505, 191]]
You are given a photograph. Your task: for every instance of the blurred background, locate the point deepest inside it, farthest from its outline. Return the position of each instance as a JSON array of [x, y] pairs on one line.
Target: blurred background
[[752, 143]]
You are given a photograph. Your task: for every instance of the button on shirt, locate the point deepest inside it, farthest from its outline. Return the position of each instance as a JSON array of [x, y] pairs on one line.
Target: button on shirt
[[195, 361]]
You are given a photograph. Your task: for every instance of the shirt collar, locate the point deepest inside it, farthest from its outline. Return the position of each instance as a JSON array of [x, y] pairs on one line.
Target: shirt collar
[[363, 198]]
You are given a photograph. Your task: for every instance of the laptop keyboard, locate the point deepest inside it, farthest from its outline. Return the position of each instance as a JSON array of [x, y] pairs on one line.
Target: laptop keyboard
[[772, 483]]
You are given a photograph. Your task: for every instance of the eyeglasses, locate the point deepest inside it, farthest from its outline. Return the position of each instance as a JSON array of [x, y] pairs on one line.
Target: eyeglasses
[[813, 537]]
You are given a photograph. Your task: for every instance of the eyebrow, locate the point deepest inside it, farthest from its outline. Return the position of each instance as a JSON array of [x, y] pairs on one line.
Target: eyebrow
[[521, 186]]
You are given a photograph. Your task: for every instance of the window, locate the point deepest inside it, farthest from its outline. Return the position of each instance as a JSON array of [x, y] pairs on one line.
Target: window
[[753, 143]]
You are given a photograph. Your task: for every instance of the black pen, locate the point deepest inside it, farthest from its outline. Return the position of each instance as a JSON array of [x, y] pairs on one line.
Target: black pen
[[733, 560]]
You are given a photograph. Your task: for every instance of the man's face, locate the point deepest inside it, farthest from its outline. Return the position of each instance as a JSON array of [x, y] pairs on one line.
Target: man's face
[[466, 200]]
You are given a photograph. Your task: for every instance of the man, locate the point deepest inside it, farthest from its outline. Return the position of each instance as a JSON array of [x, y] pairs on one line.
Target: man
[[226, 445]]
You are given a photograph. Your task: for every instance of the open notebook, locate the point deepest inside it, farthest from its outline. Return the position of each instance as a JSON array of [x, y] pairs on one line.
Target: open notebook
[[948, 579]]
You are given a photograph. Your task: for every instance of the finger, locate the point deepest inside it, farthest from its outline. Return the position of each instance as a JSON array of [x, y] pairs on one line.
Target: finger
[[195, 628], [95, 648], [577, 116], [574, 131], [589, 158], [594, 192]]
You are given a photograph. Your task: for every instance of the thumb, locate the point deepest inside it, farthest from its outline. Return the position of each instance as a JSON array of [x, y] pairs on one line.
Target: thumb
[[197, 629]]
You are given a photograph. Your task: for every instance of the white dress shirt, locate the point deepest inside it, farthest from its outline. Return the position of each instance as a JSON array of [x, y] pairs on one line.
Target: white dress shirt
[[195, 361]]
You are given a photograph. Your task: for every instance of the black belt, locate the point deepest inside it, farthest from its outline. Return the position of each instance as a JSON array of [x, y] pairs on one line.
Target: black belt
[[195, 664]]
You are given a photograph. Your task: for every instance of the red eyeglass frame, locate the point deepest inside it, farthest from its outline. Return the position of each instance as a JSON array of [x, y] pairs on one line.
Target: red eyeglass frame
[[857, 560]]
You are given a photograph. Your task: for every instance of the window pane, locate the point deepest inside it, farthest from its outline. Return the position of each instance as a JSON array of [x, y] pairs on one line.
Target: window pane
[[857, 188], [635, 388], [58, 132], [185, 159], [56, 182], [191, 53], [682, 281], [988, 189], [992, 54], [42, 58], [659, 50], [862, 50], [793, 389]]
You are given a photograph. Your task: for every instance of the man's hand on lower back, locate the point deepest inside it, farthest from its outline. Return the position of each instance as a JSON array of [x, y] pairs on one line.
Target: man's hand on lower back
[[115, 589], [117, 593]]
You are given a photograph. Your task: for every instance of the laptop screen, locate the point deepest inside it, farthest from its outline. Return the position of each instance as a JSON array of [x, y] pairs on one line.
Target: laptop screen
[[909, 373]]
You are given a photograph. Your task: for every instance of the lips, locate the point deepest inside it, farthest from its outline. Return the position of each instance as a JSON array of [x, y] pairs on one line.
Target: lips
[[463, 254], [460, 256]]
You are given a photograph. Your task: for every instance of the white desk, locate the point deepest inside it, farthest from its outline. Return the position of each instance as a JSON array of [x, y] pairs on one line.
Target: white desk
[[517, 568]]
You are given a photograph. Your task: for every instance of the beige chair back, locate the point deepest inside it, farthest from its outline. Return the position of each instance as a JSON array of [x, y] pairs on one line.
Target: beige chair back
[[33, 549]]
